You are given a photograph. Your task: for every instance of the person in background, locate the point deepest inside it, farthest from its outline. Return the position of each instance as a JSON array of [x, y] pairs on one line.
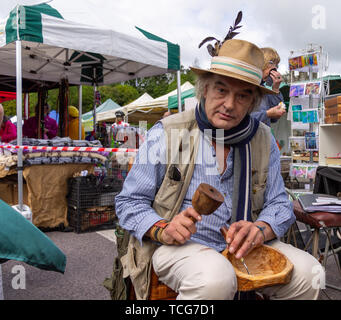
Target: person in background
[[30, 127], [118, 132], [271, 108], [119, 122], [8, 130], [1, 113], [74, 124]]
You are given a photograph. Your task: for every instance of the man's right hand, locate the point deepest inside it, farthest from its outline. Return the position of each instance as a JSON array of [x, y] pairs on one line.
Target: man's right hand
[[181, 227], [276, 112]]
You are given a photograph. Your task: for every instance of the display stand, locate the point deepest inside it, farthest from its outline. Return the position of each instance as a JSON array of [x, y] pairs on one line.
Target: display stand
[[308, 90], [330, 133]]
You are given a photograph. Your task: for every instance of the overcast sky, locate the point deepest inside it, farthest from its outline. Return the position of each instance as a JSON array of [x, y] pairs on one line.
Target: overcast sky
[[283, 25]]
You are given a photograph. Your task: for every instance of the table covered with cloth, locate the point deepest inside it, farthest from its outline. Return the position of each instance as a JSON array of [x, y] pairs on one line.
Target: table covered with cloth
[[46, 174]]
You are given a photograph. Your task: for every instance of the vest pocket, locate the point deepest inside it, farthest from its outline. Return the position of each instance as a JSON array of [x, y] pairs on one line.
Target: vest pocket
[[133, 263], [257, 196], [168, 194]]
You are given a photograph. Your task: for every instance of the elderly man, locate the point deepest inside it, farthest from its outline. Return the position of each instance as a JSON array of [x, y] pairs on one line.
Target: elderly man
[[218, 143]]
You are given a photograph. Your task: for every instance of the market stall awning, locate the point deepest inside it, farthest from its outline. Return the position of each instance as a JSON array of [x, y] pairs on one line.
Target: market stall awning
[[173, 100], [54, 48], [6, 96], [150, 111], [88, 118]]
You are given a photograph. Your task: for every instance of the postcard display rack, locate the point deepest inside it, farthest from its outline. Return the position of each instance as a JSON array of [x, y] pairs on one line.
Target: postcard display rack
[[308, 89]]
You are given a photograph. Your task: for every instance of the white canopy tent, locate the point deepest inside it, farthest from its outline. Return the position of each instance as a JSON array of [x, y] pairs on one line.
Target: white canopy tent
[[149, 111], [36, 43], [145, 98]]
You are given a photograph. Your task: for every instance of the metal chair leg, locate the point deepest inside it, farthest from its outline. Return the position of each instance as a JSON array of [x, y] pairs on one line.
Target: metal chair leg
[[316, 236], [326, 254]]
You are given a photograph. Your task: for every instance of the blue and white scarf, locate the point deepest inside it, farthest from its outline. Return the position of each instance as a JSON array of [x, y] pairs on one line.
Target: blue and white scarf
[[239, 138]]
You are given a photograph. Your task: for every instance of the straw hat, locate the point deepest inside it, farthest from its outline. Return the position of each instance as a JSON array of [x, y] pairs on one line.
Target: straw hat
[[73, 112], [238, 59]]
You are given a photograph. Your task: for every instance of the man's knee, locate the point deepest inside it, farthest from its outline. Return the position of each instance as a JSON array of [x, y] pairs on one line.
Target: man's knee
[[218, 285], [310, 278]]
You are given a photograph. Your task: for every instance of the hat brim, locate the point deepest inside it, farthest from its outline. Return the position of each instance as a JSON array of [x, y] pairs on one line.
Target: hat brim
[[234, 76]]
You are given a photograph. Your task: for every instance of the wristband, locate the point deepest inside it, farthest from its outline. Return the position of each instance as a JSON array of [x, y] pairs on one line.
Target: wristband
[[157, 229], [161, 224], [262, 230]]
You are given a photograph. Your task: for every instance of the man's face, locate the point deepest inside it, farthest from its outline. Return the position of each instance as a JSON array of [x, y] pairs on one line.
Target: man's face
[[228, 101], [119, 119]]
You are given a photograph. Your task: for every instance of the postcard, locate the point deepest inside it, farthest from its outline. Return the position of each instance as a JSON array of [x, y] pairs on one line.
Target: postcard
[[297, 90], [296, 107], [310, 141], [313, 88], [304, 116]]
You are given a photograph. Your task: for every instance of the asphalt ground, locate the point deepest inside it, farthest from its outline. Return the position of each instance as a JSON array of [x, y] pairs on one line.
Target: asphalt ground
[[89, 261]]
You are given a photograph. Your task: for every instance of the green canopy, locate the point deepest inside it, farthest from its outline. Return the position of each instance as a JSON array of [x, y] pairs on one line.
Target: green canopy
[[88, 119], [173, 100]]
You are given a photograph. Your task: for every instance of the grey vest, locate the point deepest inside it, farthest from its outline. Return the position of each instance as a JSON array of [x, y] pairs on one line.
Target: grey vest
[[168, 200]]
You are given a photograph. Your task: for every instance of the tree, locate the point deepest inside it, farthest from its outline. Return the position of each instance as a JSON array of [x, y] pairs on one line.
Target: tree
[[122, 94], [160, 85], [186, 75]]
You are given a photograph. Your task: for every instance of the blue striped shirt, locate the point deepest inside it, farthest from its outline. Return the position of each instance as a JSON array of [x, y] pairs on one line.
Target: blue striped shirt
[[133, 204]]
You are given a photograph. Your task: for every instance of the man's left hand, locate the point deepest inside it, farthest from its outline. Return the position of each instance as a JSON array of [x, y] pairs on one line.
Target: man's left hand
[[242, 237]]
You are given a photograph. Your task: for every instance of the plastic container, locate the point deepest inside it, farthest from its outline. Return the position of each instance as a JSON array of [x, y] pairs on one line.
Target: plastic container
[[26, 211], [98, 218]]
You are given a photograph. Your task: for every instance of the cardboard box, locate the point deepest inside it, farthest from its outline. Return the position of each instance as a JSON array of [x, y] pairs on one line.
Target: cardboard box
[[332, 102], [334, 118], [332, 110], [333, 161]]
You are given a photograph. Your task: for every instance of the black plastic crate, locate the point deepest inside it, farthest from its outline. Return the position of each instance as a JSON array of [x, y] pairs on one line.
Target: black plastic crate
[[85, 200], [92, 191], [82, 220], [93, 183]]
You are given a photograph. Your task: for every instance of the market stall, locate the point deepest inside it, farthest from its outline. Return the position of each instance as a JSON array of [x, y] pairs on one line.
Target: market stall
[[150, 111], [46, 173], [38, 47], [88, 118]]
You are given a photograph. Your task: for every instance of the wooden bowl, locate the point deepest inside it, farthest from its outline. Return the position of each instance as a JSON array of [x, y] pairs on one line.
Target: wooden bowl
[[267, 267]]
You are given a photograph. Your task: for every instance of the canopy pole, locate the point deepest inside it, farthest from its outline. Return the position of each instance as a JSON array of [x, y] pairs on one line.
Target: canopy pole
[[95, 89], [80, 102], [178, 76], [26, 106], [94, 111], [19, 121]]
